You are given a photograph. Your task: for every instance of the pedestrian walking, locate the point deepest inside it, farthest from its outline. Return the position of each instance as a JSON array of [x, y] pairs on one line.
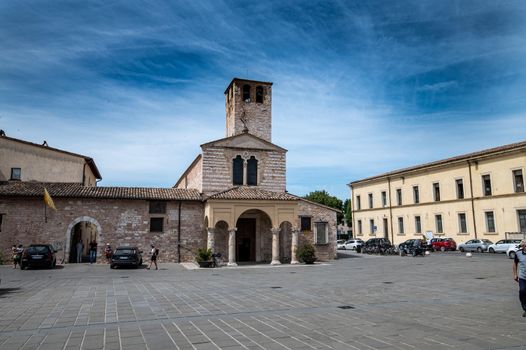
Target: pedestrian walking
[[519, 273], [14, 252], [108, 253], [153, 259], [80, 249], [92, 252]]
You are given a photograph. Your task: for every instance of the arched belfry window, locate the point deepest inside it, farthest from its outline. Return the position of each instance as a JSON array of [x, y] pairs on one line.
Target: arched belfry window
[[252, 171], [259, 94], [246, 93], [237, 171]]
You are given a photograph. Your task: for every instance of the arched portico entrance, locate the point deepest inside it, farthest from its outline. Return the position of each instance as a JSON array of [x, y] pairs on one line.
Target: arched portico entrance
[[83, 229], [253, 241]]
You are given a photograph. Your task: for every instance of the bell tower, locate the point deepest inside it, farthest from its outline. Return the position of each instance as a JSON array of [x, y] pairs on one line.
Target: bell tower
[[249, 108]]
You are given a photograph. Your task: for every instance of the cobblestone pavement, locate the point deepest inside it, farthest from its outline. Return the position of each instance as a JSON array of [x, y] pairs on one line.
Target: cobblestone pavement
[[443, 301]]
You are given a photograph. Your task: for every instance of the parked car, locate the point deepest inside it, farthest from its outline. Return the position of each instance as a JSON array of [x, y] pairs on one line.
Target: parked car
[[475, 245], [38, 255], [352, 244], [503, 245], [512, 251], [444, 244], [340, 244], [412, 247], [126, 256]]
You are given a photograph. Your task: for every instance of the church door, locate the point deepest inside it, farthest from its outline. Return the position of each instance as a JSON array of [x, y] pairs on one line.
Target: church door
[[246, 240]]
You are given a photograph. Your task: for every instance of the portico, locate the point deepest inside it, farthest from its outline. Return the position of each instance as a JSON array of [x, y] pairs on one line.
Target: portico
[[255, 230]]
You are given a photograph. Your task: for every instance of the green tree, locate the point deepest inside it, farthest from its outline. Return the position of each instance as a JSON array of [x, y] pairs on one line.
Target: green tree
[[347, 212], [324, 198]]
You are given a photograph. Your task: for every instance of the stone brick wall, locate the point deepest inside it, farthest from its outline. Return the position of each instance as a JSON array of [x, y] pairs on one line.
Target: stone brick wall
[[194, 177], [217, 168], [319, 214], [122, 222], [258, 116]]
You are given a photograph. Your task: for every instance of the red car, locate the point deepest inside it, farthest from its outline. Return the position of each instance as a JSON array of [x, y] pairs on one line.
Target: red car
[[444, 244]]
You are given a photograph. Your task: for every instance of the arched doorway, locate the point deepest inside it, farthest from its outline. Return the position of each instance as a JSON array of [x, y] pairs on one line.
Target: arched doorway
[[82, 230], [221, 239], [253, 237], [285, 242]]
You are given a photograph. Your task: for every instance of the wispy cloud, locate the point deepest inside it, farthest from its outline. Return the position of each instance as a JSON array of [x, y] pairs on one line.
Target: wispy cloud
[[360, 87]]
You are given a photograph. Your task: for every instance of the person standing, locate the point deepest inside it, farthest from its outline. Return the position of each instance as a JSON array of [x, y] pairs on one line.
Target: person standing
[[92, 252], [14, 251], [107, 252], [153, 259], [519, 273], [80, 249]]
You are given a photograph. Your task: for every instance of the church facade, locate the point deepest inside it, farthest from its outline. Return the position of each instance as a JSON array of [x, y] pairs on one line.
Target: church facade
[[232, 199]]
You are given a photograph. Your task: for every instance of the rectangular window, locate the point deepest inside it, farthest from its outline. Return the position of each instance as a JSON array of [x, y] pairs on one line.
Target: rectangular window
[[490, 221], [386, 228], [522, 220], [438, 222], [460, 188], [306, 223], [360, 228], [418, 225], [384, 199], [518, 181], [401, 225], [321, 233], [436, 192], [372, 227], [358, 203], [486, 183], [157, 207], [156, 224], [416, 194], [16, 174], [399, 196], [462, 224], [370, 200]]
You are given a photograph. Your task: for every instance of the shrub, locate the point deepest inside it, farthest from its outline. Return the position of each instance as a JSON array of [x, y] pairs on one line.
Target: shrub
[[306, 253], [203, 254]]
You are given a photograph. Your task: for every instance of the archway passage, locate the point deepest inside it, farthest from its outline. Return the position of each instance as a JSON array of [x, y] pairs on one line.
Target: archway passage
[[246, 240], [81, 235], [253, 237]]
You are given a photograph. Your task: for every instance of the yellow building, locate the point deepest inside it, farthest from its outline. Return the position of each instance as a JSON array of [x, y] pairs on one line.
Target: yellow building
[[477, 195]]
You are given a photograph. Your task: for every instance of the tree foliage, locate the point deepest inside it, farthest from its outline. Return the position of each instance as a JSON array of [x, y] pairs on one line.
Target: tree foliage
[[324, 198], [347, 212]]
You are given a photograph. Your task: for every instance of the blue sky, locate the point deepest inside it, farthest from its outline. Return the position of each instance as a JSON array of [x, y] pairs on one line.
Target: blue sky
[[360, 87]]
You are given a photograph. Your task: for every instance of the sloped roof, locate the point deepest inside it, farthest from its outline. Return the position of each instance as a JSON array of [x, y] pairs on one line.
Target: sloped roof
[[76, 190], [463, 157], [88, 160], [252, 193], [244, 140]]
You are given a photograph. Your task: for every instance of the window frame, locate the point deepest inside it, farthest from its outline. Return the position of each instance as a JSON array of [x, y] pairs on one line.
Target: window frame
[[325, 234], [436, 191], [19, 178], [416, 194], [384, 199], [439, 220], [247, 89], [235, 176], [252, 160], [157, 219], [462, 230], [372, 231], [259, 95], [358, 202], [370, 200], [519, 210], [484, 188], [515, 180], [486, 212], [401, 228], [360, 227], [460, 181], [399, 199], [305, 217], [418, 224]]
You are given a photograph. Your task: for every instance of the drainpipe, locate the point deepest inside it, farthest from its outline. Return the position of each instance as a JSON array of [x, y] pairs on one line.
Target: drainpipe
[[179, 234], [390, 210], [472, 200]]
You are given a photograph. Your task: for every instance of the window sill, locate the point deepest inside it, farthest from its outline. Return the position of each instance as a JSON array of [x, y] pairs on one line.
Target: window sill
[[322, 244], [491, 233], [400, 234]]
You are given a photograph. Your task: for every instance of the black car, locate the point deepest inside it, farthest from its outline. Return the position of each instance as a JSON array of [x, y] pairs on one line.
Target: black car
[[412, 247], [126, 256], [39, 255], [381, 242]]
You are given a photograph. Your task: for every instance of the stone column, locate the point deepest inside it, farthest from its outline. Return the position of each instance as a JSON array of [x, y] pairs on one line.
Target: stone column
[[275, 246], [211, 241], [232, 247], [294, 246], [245, 172]]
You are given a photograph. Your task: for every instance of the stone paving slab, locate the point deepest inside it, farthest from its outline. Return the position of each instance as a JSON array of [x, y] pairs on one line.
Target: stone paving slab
[[443, 301]]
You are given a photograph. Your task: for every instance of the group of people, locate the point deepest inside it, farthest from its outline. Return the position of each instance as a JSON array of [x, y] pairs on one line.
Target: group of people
[[17, 254], [108, 252]]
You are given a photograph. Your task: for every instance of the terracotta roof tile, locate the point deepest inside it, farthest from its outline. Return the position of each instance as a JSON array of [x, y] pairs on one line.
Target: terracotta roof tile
[[76, 190], [252, 193]]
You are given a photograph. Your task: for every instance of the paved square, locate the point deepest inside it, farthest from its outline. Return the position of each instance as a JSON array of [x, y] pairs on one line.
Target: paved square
[[443, 301]]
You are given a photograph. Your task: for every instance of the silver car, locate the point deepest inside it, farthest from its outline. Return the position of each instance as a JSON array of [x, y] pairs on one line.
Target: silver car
[[475, 245], [503, 245]]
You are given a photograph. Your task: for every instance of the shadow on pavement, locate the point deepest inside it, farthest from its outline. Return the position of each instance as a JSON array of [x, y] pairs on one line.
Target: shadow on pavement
[[5, 291]]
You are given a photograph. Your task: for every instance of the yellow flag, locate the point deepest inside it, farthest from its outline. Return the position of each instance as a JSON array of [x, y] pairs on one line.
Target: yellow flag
[[48, 200]]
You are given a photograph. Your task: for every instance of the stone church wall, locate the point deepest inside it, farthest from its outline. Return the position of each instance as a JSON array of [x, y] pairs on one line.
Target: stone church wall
[[317, 213], [122, 222]]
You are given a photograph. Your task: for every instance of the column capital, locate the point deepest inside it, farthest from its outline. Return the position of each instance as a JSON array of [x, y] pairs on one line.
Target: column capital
[[232, 229], [211, 229], [275, 230], [295, 230]]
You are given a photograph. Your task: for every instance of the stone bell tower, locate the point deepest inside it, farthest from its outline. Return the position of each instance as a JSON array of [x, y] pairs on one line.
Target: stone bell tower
[[249, 108]]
